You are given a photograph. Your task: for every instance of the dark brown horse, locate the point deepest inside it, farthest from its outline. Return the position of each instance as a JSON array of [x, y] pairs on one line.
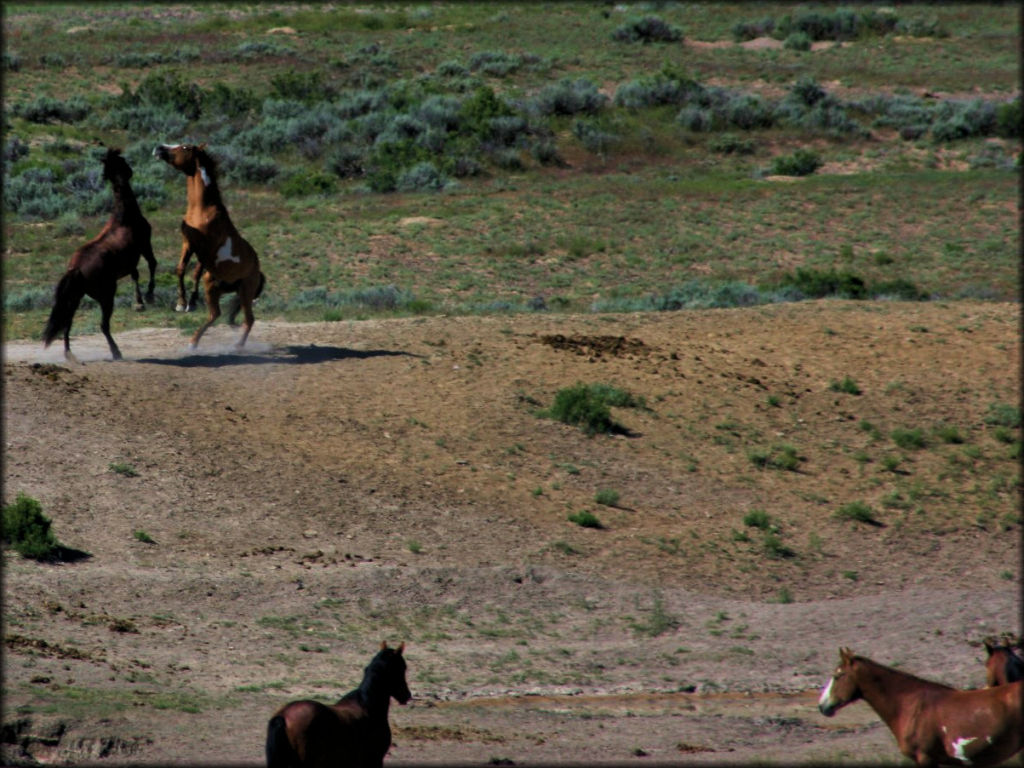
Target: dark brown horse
[[354, 733], [227, 261], [1004, 663], [96, 267], [933, 723]]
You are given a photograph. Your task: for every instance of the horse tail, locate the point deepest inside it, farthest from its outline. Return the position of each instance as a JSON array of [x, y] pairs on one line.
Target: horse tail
[[259, 288], [279, 750], [66, 297]]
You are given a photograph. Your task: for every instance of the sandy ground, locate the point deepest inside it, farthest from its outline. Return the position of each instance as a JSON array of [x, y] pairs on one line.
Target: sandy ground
[[250, 525]]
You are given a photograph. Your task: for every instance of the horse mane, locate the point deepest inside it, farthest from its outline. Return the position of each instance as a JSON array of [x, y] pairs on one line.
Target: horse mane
[[901, 673], [207, 161]]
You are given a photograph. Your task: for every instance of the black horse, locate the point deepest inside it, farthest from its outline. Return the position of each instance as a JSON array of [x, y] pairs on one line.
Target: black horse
[[354, 733], [96, 267]]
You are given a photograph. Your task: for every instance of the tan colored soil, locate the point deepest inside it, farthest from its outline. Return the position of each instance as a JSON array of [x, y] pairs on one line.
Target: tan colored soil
[[335, 485]]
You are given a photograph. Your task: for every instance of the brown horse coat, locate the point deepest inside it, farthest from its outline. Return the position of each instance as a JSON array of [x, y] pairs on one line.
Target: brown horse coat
[[228, 261], [934, 724], [95, 268]]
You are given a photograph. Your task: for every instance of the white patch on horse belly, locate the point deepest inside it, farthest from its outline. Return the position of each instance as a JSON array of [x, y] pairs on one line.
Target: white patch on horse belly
[[206, 179], [958, 749], [224, 253]]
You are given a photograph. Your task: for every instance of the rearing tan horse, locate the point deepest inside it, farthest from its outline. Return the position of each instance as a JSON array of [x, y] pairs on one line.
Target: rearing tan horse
[[229, 263]]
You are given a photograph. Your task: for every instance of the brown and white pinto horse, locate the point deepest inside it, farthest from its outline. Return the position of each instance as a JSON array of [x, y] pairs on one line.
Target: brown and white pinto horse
[[229, 264], [934, 724], [1004, 663], [96, 267], [354, 733]]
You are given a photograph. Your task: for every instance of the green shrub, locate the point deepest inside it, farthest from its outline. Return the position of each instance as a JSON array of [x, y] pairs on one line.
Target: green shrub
[[27, 529], [816, 284], [798, 41], [44, 109], [774, 548], [303, 184], [947, 433], [803, 162], [908, 439], [495, 63], [569, 97], [607, 497], [1008, 120], [648, 29], [749, 30], [857, 511], [847, 385], [783, 457], [585, 519], [1003, 415], [588, 407], [758, 518]]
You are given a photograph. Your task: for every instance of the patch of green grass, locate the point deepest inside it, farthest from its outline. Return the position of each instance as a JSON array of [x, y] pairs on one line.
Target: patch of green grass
[[608, 497], [123, 469], [782, 457], [758, 518], [857, 511], [908, 439], [657, 622], [414, 546], [585, 519], [847, 385], [1003, 415], [144, 537]]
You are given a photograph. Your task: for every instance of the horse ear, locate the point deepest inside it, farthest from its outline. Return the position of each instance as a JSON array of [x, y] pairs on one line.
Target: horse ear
[[845, 654], [202, 147], [401, 647], [383, 645], [988, 646]]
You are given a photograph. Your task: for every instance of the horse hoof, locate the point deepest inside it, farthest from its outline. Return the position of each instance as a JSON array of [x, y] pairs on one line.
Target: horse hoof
[[179, 307]]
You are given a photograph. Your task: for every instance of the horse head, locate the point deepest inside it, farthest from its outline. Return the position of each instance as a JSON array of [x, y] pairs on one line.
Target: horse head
[[842, 688], [390, 665], [187, 158], [115, 167]]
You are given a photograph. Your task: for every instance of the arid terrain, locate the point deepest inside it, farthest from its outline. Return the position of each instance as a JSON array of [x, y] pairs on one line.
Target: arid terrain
[[245, 527]]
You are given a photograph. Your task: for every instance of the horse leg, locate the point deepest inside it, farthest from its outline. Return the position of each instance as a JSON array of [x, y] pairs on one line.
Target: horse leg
[[139, 306], [194, 298], [68, 354], [147, 254], [212, 304], [106, 302], [246, 294], [186, 254]]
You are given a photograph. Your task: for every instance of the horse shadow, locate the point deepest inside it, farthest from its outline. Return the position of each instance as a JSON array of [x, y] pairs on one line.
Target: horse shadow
[[290, 355]]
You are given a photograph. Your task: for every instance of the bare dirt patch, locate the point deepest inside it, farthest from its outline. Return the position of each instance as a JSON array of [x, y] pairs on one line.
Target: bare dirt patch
[[337, 484]]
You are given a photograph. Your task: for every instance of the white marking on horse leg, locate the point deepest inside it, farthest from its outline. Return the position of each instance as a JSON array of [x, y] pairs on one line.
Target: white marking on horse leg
[[958, 749], [224, 253], [206, 179]]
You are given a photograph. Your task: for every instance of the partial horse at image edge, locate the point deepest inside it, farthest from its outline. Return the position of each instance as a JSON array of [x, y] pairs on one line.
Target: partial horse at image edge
[[352, 733], [95, 267], [932, 723], [1003, 664]]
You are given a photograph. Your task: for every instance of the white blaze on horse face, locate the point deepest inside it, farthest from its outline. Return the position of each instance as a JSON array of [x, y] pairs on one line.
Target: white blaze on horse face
[[959, 749], [826, 694], [224, 253]]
